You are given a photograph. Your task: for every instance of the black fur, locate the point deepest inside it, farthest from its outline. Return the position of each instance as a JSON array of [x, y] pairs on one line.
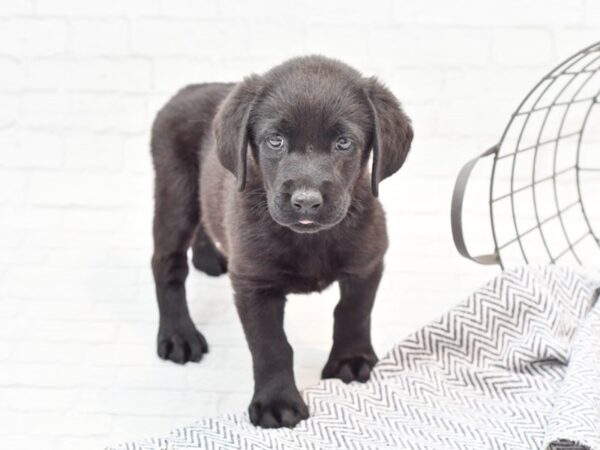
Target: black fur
[[293, 214]]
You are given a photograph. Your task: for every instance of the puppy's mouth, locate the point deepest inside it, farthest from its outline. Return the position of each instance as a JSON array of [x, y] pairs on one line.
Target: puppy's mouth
[[306, 226], [305, 223], [311, 225]]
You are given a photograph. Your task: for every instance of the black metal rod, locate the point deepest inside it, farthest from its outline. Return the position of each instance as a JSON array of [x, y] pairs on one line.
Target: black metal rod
[[532, 147], [538, 225], [578, 173], [552, 105], [514, 162], [575, 242], [588, 56], [538, 181], [577, 155]]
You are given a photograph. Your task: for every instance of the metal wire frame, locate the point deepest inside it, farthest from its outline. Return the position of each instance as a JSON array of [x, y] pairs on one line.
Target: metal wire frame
[[537, 99]]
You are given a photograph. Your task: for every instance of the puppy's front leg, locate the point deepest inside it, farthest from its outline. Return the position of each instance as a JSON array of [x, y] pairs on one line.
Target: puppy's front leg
[[352, 356], [276, 402]]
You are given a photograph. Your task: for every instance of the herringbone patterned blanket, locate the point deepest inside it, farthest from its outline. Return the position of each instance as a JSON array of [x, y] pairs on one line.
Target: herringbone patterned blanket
[[516, 366]]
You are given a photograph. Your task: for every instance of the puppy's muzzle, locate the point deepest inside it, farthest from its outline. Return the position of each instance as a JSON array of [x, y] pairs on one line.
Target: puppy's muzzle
[[306, 201], [307, 207]]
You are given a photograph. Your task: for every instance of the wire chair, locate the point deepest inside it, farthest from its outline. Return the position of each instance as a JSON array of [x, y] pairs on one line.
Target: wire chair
[[544, 194]]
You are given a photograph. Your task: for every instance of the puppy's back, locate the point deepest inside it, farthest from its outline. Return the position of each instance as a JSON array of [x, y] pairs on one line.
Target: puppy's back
[[184, 121]]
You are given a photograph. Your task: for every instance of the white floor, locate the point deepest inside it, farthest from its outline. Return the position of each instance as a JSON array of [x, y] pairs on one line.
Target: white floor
[[78, 323]]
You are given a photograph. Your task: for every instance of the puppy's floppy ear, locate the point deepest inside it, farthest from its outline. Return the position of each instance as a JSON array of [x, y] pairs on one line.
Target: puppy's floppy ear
[[231, 127], [392, 132]]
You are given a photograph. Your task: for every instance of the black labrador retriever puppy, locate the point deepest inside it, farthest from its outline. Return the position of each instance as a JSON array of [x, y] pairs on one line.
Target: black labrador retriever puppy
[[268, 179]]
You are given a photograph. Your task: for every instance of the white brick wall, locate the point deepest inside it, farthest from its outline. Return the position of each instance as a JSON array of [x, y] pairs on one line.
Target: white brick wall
[[80, 82]]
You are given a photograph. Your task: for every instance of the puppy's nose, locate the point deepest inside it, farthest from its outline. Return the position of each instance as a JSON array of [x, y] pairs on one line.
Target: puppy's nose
[[307, 200]]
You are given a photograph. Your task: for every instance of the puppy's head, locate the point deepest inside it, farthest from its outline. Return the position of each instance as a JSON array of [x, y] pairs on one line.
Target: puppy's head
[[311, 124]]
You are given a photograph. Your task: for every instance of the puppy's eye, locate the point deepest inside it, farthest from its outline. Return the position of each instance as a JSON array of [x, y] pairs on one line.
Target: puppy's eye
[[275, 141], [343, 144]]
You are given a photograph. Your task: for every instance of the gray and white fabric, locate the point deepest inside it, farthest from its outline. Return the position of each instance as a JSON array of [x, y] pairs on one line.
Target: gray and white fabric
[[516, 366]]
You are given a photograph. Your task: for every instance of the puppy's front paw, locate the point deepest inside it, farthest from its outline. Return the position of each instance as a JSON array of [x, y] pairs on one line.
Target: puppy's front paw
[[281, 409], [181, 342], [350, 368]]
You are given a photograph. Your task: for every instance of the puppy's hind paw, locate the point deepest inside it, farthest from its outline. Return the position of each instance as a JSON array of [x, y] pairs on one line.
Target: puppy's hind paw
[[209, 260]]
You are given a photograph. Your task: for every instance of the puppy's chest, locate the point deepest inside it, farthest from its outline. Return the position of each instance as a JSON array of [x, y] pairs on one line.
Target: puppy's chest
[[310, 270]]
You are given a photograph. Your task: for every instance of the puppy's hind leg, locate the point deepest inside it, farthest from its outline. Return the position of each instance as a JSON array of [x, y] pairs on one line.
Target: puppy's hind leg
[[205, 255], [175, 218]]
